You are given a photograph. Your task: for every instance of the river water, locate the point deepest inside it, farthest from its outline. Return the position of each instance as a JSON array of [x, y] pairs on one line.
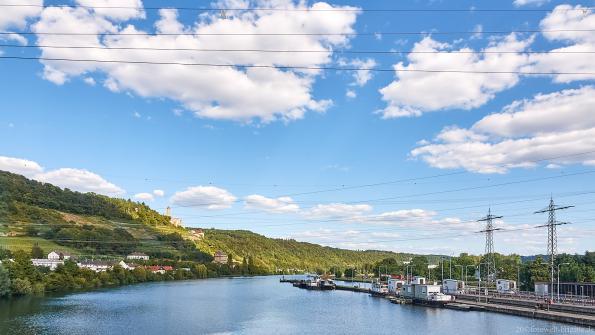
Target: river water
[[258, 305]]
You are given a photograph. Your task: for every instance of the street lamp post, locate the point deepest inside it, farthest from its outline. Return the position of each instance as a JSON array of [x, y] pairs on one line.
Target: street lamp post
[[466, 273], [442, 266], [479, 281], [461, 270], [518, 278], [559, 279]]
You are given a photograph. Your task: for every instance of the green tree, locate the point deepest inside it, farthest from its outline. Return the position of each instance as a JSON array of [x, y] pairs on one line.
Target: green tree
[[4, 282], [350, 272], [419, 266], [21, 286], [36, 251], [538, 272], [5, 253], [23, 268], [335, 270], [140, 274], [245, 266]]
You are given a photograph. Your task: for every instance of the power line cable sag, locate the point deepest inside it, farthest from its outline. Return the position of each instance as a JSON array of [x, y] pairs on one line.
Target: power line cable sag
[[381, 183], [390, 52], [585, 172], [354, 34], [282, 67], [320, 10]]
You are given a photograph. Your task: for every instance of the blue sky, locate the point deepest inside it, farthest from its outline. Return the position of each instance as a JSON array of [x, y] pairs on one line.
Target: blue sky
[[278, 151]]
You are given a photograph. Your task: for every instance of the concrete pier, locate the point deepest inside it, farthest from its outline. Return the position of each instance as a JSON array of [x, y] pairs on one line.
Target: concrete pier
[[565, 317], [575, 314]]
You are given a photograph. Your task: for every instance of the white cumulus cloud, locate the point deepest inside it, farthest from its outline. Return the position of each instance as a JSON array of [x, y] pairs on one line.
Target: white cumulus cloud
[[272, 205], [230, 93], [572, 26], [17, 16], [74, 179], [360, 77], [415, 93], [79, 180], [159, 193], [337, 210], [558, 125], [121, 10], [144, 196], [520, 3], [209, 197], [20, 166]]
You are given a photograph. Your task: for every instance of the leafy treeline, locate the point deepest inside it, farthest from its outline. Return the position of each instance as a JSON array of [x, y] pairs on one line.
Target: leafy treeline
[[20, 277], [574, 268], [22, 199], [286, 254]]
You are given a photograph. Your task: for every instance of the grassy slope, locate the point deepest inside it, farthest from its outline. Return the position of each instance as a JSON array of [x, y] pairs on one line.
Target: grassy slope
[[25, 243]]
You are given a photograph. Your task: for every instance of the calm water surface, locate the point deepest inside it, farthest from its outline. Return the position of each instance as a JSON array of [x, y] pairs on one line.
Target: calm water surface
[[258, 305]]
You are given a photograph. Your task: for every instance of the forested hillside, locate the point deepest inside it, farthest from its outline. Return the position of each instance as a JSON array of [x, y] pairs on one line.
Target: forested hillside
[[284, 253], [94, 225], [25, 199]]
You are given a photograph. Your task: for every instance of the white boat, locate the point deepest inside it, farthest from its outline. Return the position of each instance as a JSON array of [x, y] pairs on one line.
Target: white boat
[[379, 288]]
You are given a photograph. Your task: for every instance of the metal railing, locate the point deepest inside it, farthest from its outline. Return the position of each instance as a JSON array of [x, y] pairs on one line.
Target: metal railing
[[567, 299]]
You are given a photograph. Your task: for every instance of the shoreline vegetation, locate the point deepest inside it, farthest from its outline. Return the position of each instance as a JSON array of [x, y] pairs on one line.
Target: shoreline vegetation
[[19, 277]]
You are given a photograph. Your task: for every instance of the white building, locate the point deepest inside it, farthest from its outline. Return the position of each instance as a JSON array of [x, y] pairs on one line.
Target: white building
[[59, 255], [48, 263], [138, 255], [97, 266], [418, 280], [395, 285], [453, 286], [505, 286], [126, 266], [424, 291]]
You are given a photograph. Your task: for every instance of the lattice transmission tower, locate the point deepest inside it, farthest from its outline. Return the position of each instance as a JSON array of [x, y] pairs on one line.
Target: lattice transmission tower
[[489, 248], [552, 238]]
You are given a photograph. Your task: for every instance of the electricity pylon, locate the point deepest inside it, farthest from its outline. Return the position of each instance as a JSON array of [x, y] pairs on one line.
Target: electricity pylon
[[489, 249], [552, 237]]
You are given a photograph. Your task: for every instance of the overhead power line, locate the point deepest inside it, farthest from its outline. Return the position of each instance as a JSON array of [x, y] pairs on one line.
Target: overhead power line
[[388, 33], [283, 67], [390, 52], [318, 10], [415, 238]]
